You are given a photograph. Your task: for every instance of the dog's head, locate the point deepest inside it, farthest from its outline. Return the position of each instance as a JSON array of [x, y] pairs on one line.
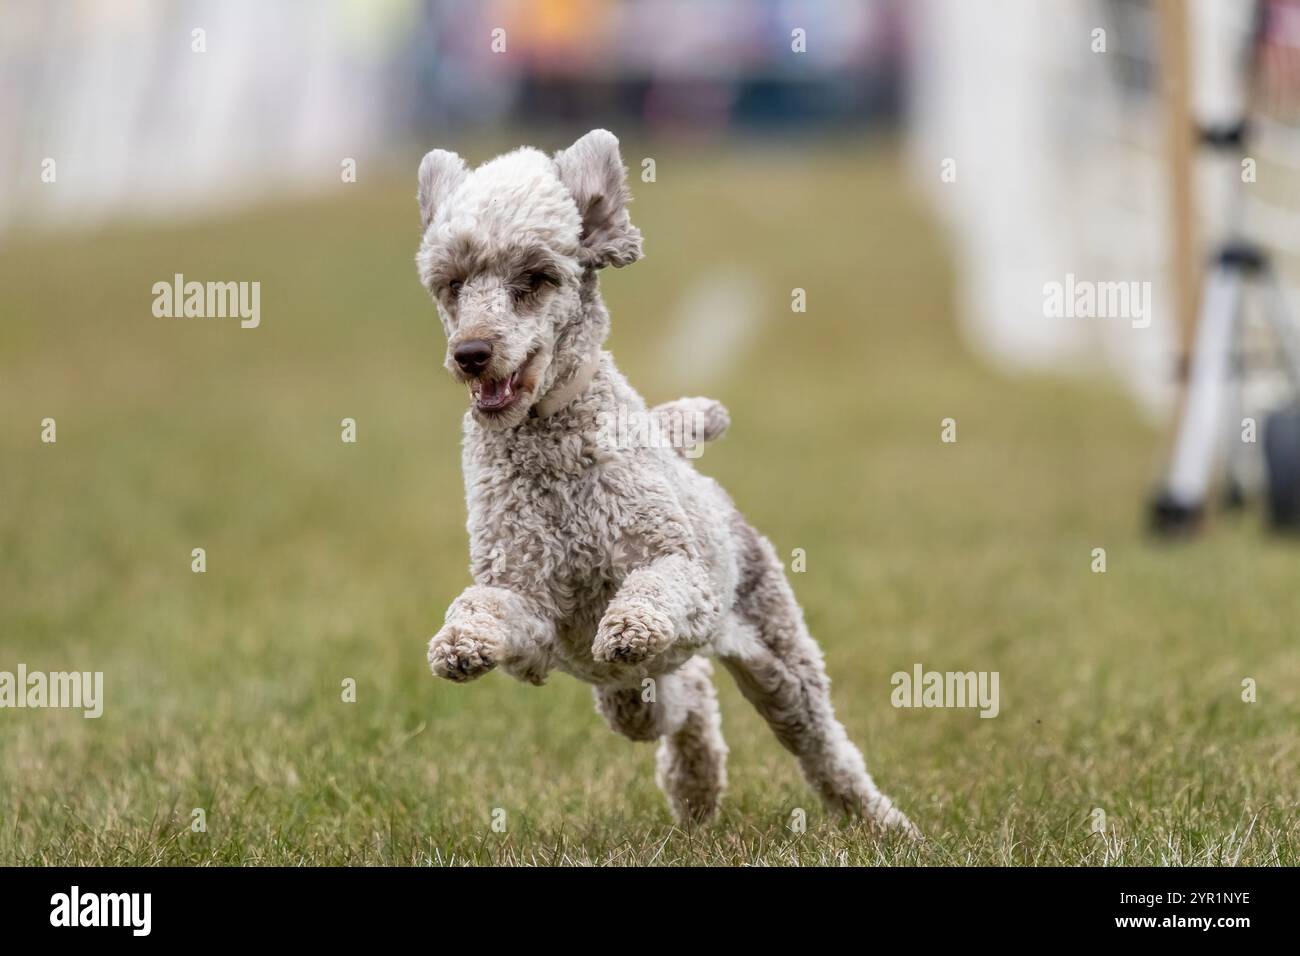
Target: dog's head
[[507, 250]]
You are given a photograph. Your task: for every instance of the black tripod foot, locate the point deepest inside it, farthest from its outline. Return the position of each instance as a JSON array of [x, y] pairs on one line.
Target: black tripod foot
[[1172, 519]]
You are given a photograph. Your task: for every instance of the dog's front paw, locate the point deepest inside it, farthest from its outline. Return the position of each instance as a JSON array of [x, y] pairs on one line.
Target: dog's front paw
[[630, 634], [457, 654]]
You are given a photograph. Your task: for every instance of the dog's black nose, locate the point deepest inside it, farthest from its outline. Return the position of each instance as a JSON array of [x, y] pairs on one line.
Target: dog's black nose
[[472, 356]]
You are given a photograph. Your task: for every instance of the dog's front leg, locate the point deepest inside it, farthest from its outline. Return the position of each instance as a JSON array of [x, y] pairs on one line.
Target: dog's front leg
[[669, 601], [487, 626]]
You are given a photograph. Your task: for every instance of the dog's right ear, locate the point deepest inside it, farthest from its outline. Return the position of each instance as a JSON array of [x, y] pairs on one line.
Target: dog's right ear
[[440, 173]]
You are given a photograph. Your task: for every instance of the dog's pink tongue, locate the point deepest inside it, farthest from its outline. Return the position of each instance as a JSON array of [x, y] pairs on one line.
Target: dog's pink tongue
[[494, 393]]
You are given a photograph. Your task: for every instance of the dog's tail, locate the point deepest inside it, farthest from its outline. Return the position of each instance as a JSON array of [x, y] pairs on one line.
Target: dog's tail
[[703, 418]]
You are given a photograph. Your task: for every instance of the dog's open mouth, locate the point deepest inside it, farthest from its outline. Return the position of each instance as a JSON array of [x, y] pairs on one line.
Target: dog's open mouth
[[500, 395]]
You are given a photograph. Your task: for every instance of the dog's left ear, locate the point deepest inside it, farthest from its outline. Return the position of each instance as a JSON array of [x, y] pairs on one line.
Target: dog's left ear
[[592, 169]]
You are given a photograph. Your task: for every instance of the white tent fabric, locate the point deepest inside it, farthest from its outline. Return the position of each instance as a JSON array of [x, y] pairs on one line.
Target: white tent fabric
[[136, 118], [1058, 148]]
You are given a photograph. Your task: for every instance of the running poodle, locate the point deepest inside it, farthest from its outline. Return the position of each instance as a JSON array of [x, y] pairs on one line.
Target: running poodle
[[599, 551]]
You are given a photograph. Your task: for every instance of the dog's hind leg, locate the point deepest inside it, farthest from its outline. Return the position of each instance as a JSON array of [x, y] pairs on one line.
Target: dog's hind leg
[[680, 710], [780, 670], [690, 423], [692, 760]]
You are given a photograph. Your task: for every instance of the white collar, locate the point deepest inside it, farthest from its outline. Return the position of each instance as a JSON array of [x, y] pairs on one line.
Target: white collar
[[561, 395]]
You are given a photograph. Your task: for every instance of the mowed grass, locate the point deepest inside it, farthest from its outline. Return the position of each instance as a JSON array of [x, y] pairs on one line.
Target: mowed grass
[[327, 561]]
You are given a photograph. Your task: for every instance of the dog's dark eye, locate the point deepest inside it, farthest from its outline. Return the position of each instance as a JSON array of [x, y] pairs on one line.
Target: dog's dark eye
[[532, 282], [454, 287]]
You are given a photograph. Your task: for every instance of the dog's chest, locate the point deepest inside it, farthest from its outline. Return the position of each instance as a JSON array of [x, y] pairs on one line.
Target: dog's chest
[[551, 533]]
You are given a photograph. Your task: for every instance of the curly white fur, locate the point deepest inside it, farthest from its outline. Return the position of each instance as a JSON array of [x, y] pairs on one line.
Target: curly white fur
[[622, 566]]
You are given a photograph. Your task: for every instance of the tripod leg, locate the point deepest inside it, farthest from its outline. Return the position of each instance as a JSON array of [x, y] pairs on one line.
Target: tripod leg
[[1237, 477], [1278, 312], [1282, 427], [1180, 507]]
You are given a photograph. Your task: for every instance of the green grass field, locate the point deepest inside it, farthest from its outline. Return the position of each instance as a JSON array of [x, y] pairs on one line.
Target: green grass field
[[326, 561]]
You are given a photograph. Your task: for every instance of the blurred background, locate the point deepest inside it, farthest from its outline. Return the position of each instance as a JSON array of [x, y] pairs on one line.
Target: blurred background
[[1052, 117], [920, 169]]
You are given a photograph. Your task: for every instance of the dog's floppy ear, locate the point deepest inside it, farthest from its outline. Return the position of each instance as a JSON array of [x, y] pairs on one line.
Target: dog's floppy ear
[[440, 173], [592, 169]]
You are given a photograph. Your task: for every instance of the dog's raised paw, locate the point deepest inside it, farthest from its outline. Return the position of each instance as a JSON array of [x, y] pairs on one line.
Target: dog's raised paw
[[456, 655], [631, 634]]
